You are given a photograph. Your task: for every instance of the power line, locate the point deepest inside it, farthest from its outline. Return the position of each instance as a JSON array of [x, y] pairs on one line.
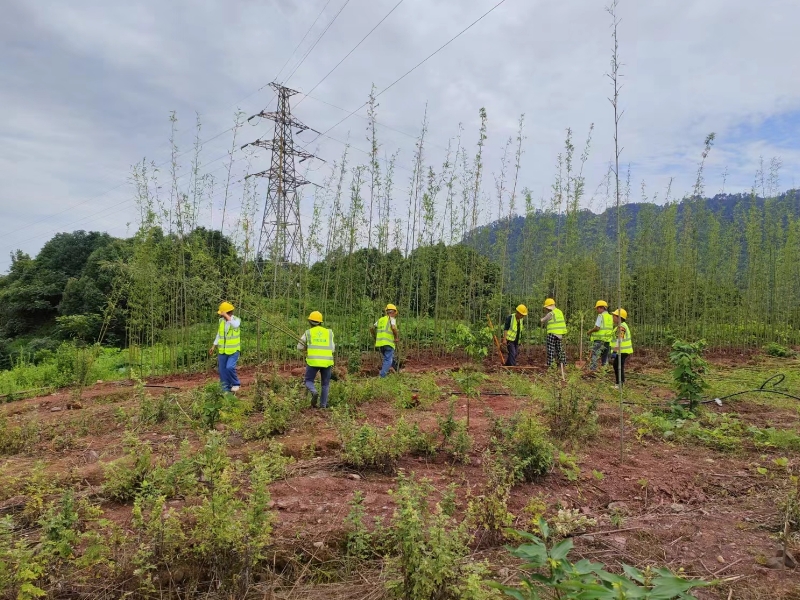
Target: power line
[[321, 35], [386, 16], [412, 69], [300, 43]]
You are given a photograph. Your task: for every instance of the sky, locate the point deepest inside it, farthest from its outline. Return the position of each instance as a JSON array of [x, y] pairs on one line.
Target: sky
[[87, 89]]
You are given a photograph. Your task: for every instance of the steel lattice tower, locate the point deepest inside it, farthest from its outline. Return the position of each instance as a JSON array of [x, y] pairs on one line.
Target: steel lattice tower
[[280, 241]]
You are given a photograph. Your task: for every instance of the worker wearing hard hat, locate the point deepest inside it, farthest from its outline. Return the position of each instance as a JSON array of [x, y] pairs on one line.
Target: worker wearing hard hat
[[623, 344], [384, 330], [228, 345], [601, 335], [512, 333], [317, 342], [556, 330]]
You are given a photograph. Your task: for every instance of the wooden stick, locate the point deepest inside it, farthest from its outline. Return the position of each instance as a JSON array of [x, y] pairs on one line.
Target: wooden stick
[[496, 341]]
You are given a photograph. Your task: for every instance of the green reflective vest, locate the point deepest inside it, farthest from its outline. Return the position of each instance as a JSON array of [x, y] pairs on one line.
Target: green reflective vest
[[229, 343], [384, 335], [606, 332], [557, 325], [513, 334], [319, 347], [625, 345]]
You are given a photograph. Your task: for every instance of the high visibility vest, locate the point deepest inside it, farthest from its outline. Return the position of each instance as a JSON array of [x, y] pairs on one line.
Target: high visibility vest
[[557, 325], [513, 335], [384, 335], [319, 347], [625, 344], [606, 332], [230, 342]]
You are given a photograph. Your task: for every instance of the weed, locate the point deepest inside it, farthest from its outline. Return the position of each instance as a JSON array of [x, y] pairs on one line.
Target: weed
[[773, 349], [278, 413], [209, 404], [16, 438], [534, 511], [430, 551], [125, 476], [271, 463], [546, 565], [569, 414], [570, 521], [487, 513], [568, 465], [366, 446], [688, 370], [158, 411], [358, 542], [529, 445], [418, 442], [781, 439], [456, 441]]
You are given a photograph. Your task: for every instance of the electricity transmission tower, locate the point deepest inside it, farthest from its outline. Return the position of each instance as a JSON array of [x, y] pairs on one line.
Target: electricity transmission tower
[[280, 241]]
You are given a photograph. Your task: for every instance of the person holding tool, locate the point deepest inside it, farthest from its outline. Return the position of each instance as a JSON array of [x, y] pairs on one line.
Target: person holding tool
[[556, 330], [317, 342], [623, 345], [228, 345], [386, 336], [601, 335], [512, 333]]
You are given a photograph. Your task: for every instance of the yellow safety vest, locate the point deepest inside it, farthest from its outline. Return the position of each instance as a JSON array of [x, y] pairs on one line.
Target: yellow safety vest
[[384, 335], [606, 332], [319, 347], [625, 344], [513, 329], [229, 343], [557, 325]]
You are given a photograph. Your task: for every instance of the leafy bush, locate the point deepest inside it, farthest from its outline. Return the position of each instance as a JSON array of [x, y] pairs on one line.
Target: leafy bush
[[720, 432], [569, 413], [529, 445], [431, 557], [688, 369], [456, 441], [474, 343], [369, 447], [418, 442], [158, 411], [585, 579], [773, 349], [278, 412], [125, 476], [487, 513], [16, 438], [209, 404]]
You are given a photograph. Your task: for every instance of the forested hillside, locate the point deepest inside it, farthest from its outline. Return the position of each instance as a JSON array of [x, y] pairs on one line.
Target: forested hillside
[[724, 268]]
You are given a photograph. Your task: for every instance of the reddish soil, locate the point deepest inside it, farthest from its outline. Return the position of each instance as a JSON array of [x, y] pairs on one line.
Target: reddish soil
[[678, 506]]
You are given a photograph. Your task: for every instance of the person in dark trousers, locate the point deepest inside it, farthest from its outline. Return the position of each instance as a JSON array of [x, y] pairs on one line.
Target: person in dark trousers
[[317, 343], [386, 336], [512, 333], [623, 345], [600, 336]]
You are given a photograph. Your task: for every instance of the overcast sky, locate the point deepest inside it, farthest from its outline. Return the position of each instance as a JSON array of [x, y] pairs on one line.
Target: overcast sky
[[86, 88]]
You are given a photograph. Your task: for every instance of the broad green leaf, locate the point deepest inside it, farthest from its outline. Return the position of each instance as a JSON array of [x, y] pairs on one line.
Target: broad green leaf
[[561, 549]]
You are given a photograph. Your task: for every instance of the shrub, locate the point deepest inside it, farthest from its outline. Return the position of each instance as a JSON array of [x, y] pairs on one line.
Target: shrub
[[158, 411], [773, 349], [124, 476], [209, 404], [487, 513], [456, 441], [16, 438], [569, 414], [688, 369], [431, 557], [546, 566], [369, 447], [531, 448], [417, 441]]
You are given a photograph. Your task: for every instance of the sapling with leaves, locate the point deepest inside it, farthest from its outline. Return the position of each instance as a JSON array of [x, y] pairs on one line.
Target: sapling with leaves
[[689, 367]]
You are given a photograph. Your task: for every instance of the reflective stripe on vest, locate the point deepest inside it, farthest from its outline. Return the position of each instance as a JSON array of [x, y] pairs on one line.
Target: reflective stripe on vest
[[384, 335], [626, 343], [606, 332], [229, 343], [513, 329], [557, 325], [319, 347]]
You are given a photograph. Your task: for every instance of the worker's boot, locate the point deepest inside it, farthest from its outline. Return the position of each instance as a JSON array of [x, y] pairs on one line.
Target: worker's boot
[[314, 399]]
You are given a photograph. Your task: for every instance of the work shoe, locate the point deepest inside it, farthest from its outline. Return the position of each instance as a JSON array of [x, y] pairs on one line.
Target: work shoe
[[235, 388], [314, 398]]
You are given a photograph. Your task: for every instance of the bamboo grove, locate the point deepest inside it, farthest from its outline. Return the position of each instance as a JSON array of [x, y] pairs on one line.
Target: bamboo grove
[[449, 244]]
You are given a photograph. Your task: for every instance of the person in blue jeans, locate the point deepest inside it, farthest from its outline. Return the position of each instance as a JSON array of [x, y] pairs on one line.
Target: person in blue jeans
[[228, 346], [384, 330], [317, 342]]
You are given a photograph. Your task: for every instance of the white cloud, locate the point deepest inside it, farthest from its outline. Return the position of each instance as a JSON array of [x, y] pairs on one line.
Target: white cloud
[[87, 87]]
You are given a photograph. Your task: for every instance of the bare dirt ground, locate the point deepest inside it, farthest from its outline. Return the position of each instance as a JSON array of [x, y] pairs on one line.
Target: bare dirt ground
[[657, 503]]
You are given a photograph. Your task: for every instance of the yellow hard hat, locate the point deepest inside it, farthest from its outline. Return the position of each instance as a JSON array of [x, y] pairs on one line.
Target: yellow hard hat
[[391, 307], [225, 307], [549, 302], [621, 312], [523, 310], [600, 303], [315, 316]]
